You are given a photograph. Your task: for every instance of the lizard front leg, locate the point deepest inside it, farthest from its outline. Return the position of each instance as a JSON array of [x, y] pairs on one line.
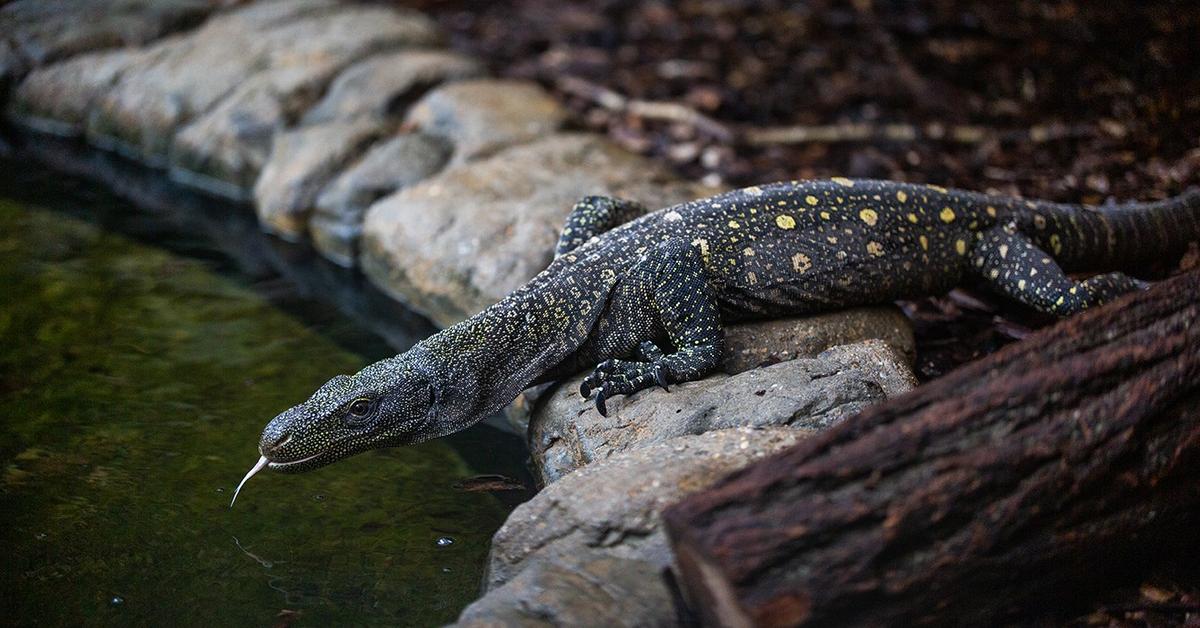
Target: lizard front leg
[[673, 283], [1015, 266], [594, 215]]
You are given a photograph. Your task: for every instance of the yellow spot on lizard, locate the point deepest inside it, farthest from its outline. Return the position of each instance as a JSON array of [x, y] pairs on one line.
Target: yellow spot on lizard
[[843, 181], [811, 200], [869, 216], [961, 247], [733, 224], [901, 196], [937, 188], [924, 242], [785, 221], [801, 263], [947, 215], [912, 218], [825, 215], [875, 248], [1056, 243]]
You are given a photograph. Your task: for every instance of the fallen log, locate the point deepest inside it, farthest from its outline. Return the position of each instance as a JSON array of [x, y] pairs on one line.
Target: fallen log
[[1063, 463]]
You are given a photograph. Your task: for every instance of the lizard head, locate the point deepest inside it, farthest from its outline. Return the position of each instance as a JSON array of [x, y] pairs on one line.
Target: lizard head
[[391, 402]]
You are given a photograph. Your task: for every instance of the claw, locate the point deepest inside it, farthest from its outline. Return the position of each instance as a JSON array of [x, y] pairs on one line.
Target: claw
[[585, 391], [600, 407], [660, 376]]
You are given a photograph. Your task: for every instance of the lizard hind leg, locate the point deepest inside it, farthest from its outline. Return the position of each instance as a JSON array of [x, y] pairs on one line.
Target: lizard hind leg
[[1015, 266], [673, 282]]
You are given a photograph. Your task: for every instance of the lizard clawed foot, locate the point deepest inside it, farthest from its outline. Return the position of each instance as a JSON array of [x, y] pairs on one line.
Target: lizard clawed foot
[[622, 377]]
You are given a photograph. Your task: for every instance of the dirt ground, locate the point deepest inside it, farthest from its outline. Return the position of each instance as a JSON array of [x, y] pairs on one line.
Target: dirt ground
[[1067, 101]]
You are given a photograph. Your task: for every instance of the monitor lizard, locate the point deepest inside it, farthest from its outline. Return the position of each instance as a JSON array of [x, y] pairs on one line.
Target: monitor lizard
[[640, 298]]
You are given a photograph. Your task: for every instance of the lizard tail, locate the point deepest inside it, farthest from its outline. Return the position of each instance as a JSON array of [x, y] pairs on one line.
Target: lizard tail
[[1128, 236]]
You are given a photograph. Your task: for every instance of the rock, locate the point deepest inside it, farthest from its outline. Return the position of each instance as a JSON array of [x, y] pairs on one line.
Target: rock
[[184, 75], [757, 343], [613, 506], [34, 33], [586, 588], [389, 166], [58, 98], [463, 239], [192, 74], [566, 432], [753, 344], [479, 117], [301, 163], [880, 359], [224, 149], [384, 84]]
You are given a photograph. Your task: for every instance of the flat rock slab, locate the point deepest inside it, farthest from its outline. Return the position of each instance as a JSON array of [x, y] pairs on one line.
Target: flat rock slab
[[613, 506], [586, 588], [566, 432], [759, 343], [34, 33], [881, 360], [389, 166], [753, 344], [385, 84], [301, 163], [193, 73], [479, 117], [463, 239]]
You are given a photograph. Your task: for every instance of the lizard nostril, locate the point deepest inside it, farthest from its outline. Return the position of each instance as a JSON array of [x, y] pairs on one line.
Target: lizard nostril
[[268, 448]]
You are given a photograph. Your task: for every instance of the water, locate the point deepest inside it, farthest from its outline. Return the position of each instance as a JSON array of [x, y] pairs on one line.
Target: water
[[133, 384]]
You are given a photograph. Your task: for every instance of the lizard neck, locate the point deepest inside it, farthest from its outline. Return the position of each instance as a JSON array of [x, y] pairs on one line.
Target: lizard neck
[[481, 364]]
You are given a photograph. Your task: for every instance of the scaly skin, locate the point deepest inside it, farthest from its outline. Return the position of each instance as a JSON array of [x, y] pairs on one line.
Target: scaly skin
[[643, 299]]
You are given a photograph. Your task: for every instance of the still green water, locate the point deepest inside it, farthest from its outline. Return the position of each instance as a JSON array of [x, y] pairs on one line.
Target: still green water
[[133, 385]]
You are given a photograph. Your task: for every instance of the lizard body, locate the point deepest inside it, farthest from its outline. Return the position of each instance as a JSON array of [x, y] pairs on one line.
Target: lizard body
[[642, 297]]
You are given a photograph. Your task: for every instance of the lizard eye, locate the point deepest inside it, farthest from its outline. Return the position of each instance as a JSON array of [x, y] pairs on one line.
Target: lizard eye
[[360, 408]]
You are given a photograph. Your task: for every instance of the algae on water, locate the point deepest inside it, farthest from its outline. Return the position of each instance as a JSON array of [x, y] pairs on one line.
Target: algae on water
[[133, 385]]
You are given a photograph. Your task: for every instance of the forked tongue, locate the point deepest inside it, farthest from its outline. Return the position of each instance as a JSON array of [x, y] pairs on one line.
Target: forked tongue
[[262, 462]]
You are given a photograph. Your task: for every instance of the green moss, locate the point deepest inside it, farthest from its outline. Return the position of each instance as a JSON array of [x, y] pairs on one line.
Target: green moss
[[134, 386]]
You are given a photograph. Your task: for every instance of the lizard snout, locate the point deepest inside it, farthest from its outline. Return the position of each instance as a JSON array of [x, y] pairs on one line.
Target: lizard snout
[[272, 441]]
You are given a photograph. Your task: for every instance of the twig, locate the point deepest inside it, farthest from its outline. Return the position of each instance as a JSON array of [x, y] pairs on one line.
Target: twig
[[863, 132], [812, 134], [649, 109]]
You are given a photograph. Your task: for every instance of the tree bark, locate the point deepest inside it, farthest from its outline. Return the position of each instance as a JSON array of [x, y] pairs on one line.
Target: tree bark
[[1065, 462]]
